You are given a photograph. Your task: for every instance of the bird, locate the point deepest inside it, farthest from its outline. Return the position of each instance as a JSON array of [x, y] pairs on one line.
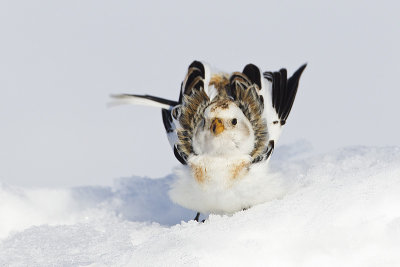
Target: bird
[[223, 130]]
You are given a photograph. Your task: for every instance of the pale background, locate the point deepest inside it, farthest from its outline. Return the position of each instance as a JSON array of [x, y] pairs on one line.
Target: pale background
[[59, 61]]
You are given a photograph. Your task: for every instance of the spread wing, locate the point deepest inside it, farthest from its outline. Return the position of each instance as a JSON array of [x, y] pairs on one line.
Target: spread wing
[[196, 81], [195, 93], [277, 93], [195, 84]]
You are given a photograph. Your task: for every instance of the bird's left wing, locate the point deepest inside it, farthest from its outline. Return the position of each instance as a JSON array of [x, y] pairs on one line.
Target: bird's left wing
[[277, 94]]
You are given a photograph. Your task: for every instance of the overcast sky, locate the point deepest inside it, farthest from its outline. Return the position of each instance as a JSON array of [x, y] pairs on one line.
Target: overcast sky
[[60, 60]]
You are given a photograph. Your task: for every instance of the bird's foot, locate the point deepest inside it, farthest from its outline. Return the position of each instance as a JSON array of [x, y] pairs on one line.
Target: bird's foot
[[197, 217]]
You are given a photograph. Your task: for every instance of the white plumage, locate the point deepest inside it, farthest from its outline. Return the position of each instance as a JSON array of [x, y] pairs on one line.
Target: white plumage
[[223, 130]]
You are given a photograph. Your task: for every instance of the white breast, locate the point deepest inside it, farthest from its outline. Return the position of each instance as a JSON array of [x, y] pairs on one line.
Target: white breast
[[219, 172], [223, 185]]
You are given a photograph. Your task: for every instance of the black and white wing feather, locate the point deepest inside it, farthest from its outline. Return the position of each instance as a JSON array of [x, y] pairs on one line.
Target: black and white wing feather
[[196, 80], [277, 93]]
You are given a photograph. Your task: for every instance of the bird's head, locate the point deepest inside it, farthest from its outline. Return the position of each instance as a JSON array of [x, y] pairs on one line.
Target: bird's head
[[223, 130]]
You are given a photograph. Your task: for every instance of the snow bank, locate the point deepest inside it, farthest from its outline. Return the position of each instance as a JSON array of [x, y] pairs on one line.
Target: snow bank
[[134, 199], [344, 210]]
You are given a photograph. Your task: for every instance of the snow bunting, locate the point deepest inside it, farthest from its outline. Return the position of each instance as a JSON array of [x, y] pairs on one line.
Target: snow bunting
[[223, 129]]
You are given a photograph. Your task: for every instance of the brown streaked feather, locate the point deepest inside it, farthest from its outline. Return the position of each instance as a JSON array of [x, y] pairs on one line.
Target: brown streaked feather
[[200, 174], [221, 83], [221, 103], [195, 82], [238, 169], [247, 99], [194, 79], [192, 112]]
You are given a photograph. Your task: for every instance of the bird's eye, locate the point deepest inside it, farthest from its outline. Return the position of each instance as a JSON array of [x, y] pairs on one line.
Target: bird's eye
[[234, 121]]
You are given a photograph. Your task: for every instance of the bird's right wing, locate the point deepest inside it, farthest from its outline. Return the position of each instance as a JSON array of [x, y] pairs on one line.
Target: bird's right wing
[[178, 121], [196, 81]]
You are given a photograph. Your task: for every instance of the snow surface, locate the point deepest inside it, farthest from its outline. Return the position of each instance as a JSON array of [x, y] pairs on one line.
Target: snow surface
[[343, 210]]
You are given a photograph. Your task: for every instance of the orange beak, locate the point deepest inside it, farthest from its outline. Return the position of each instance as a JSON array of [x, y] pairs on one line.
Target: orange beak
[[217, 126]]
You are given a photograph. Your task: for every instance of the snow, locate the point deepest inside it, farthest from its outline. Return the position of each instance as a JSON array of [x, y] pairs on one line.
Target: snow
[[342, 210]]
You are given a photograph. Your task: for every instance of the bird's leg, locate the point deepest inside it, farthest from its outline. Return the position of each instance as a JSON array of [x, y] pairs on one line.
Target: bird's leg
[[197, 217]]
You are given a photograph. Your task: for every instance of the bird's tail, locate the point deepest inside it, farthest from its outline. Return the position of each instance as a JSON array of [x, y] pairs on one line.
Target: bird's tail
[[144, 100]]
